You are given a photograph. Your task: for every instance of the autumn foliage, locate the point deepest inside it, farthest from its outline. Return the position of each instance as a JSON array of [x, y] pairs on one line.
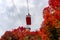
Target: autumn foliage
[[20, 34]]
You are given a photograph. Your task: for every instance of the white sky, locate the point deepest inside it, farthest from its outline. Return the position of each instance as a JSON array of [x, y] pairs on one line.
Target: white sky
[[12, 17]]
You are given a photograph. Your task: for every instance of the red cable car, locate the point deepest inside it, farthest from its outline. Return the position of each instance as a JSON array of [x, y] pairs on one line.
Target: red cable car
[[28, 19]]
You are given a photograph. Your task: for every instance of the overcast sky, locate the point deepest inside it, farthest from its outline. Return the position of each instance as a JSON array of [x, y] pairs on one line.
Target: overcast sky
[[13, 14]]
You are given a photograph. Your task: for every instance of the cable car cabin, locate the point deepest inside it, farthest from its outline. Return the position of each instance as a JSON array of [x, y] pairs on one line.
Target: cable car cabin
[[28, 19]]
